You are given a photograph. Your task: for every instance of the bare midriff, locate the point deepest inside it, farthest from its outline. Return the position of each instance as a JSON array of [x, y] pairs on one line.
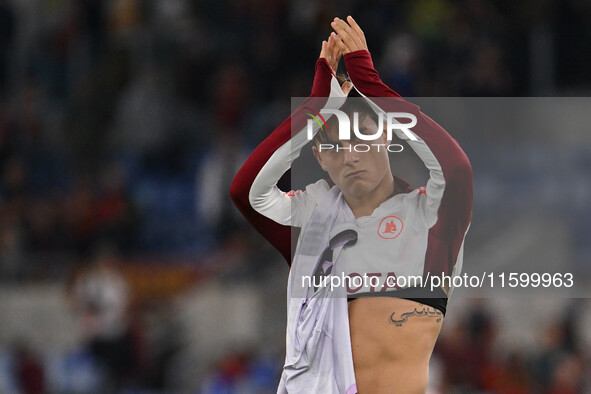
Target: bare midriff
[[392, 341]]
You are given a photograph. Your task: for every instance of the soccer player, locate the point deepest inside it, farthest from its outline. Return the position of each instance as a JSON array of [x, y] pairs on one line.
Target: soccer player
[[374, 337]]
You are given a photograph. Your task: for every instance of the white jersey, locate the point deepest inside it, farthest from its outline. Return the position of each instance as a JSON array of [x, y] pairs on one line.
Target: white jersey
[[417, 232]]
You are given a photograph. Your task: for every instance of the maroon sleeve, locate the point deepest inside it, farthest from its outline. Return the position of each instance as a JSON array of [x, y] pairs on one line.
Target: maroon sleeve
[[278, 235], [455, 210]]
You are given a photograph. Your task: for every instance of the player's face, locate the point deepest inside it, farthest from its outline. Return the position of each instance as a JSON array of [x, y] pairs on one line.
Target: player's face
[[356, 172]]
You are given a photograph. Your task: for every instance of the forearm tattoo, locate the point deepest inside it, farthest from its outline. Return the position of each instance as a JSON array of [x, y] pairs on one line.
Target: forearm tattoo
[[423, 310]]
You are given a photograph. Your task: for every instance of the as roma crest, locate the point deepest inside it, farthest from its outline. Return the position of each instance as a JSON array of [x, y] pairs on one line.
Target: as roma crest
[[390, 227]]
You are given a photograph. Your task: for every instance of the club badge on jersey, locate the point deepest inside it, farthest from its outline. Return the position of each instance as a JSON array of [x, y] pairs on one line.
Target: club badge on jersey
[[390, 227]]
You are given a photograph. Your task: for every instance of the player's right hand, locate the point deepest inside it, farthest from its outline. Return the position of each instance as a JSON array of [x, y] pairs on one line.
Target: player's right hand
[[331, 51], [350, 37]]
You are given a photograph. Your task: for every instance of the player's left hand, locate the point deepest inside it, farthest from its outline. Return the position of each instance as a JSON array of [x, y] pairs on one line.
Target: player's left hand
[[331, 51], [350, 37]]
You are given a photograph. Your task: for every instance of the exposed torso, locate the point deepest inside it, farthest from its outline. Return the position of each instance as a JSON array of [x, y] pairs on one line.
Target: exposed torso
[[392, 341]]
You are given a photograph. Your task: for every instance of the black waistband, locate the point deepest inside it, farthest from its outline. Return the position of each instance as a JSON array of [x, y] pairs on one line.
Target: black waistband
[[423, 295]]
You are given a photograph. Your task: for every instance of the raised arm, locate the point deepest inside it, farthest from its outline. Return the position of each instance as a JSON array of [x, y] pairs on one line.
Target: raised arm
[[254, 189], [447, 201]]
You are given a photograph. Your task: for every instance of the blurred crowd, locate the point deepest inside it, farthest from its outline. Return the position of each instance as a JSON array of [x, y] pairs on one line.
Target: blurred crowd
[[469, 358], [123, 122]]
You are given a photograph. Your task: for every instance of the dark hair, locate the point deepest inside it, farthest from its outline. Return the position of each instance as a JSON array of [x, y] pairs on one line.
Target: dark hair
[[353, 103]]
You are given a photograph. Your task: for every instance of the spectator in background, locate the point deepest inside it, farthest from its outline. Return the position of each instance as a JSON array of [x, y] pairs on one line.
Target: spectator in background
[[225, 156], [102, 296], [143, 115], [466, 351], [213, 179], [559, 365], [28, 371], [102, 212], [400, 63], [568, 376], [117, 215], [7, 29], [12, 248]]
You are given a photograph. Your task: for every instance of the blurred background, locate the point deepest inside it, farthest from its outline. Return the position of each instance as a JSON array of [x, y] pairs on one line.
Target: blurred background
[[124, 266]]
